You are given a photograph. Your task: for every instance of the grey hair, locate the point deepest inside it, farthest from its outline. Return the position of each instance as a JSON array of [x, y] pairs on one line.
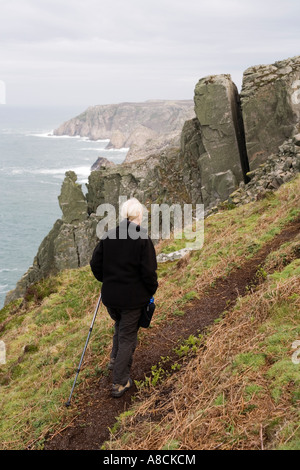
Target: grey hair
[[131, 209]]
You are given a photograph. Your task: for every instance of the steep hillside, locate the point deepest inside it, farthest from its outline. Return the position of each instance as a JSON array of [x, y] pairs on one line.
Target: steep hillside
[[233, 387]]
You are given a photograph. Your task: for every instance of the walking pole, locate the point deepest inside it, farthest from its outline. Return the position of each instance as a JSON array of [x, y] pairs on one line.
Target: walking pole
[[83, 352]]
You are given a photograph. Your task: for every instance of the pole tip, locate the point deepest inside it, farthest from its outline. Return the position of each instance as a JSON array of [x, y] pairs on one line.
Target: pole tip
[[67, 404]]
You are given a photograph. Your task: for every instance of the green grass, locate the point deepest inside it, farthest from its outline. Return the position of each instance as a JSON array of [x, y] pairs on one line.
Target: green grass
[[252, 360], [252, 391], [44, 343]]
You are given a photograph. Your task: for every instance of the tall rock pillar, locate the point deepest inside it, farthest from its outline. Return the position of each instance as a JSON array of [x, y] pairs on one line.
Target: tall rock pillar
[[224, 163]]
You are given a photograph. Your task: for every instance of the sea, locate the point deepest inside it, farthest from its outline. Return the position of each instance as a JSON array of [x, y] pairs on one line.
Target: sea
[[33, 163]]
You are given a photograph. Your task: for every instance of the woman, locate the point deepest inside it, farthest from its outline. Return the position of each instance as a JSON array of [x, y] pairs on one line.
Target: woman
[[125, 262]]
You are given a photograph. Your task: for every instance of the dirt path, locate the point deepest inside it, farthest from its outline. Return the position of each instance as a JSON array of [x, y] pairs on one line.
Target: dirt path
[[99, 410]]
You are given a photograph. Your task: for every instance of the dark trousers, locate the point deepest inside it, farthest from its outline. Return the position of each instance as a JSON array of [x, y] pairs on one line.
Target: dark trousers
[[124, 342]]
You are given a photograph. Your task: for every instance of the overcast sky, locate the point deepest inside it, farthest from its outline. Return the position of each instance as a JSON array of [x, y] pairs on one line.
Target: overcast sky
[[86, 52]]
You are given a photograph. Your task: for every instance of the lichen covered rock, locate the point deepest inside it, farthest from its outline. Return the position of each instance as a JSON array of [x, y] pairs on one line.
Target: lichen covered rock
[[270, 99], [223, 160]]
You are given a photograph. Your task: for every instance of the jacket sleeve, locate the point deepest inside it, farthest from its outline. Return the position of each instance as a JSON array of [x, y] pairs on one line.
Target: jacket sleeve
[[149, 267], [96, 262]]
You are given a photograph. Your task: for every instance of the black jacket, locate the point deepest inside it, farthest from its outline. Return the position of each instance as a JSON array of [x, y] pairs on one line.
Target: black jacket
[[125, 266]]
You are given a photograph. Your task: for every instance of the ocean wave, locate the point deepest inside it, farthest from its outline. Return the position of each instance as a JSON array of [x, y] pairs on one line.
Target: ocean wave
[[123, 149], [17, 171], [49, 171], [87, 139], [79, 170], [49, 182], [50, 134], [82, 172], [93, 148], [2, 292], [7, 270], [8, 131]]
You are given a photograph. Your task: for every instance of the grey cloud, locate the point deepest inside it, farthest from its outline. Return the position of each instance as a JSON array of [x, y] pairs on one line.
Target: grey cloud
[[151, 48]]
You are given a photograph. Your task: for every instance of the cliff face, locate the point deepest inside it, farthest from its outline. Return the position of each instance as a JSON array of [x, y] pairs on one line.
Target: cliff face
[[207, 163], [270, 99], [223, 159], [144, 128]]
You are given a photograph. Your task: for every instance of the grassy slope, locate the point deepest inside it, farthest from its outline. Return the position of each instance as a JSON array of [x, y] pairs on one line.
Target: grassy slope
[[220, 398], [238, 390]]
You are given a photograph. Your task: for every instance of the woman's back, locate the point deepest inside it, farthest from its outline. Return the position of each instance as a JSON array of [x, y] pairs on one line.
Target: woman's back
[[125, 261]]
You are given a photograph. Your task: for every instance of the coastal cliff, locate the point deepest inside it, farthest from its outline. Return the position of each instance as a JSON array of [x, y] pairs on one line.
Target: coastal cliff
[[144, 128], [233, 149]]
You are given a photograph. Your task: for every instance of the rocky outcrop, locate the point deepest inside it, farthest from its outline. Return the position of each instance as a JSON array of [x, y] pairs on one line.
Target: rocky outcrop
[[270, 99], [144, 128], [101, 162], [71, 200], [223, 158], [152, 146], [213, 152], [158, 179], [279, 168], [206, 168], [208, 164]]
